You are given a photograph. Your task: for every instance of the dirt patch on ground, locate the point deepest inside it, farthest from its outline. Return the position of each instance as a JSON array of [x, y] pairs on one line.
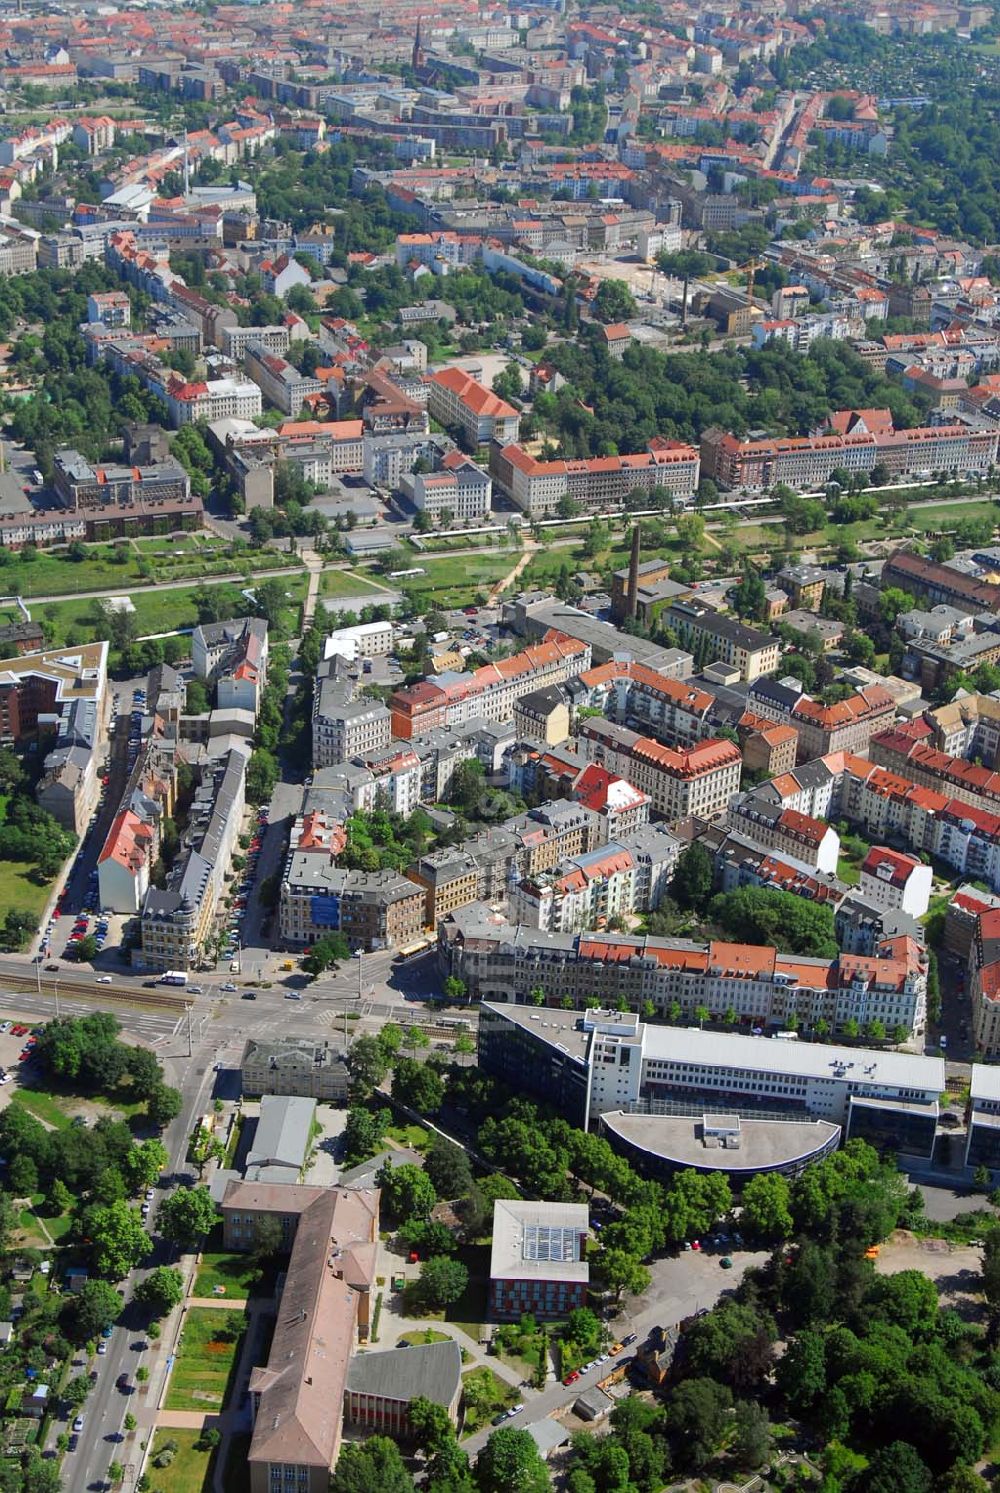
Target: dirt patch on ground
[[956, 1269]]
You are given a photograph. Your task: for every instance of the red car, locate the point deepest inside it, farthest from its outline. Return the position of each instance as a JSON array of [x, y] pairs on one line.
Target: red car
[[18, 1031], [572, 1378]]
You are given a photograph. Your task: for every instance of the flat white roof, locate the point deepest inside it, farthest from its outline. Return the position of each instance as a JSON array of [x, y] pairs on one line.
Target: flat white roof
[[539, 1240], [904, 1070], [985, 1082]]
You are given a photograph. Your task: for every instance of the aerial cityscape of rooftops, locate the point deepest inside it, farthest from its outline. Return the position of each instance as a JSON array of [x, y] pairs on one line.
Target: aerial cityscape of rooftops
[[500, 747]]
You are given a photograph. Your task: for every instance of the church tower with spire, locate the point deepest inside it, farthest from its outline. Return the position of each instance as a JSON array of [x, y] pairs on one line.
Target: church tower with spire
[[418, 51]]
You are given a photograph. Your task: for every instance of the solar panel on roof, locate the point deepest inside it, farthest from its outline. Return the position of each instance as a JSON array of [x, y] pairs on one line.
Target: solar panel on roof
[[550, 1242]]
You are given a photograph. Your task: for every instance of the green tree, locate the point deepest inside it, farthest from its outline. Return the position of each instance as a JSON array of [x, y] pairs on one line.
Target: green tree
[[364, 1466], [161, 1290], [186, 1215], [97, 1305], [431, 1425], [614, 301], [733, 1342], [118, 1239], [442, 1281], [510, 1461], [143, 1165], [76, 1391], [163, 1105], [752, 1441], [766, 1206], [418, 1085], [448, 1167], [407, 1191], [622, 1272], [697, 1416], [364, 1133], [691, 885], [896, 1468], [331, 949], [367, 1065]]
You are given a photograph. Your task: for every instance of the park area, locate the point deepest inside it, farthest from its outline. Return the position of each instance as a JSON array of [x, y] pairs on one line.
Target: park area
[[205, 1360], [484, 1395], [226, 1275]]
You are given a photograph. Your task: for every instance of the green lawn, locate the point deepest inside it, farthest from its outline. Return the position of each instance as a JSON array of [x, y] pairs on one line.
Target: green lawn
[[51, 1109], [485, 1394], [945, 516], [414, 1136], [118, 567], [207, 1353], [428, 1335], [454, 580], [156, 611], [236, 1273], [334, 583], [17, 889], [189, 1472]]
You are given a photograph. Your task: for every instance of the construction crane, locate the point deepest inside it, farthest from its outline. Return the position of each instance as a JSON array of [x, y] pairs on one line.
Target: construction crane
[[752, 266]]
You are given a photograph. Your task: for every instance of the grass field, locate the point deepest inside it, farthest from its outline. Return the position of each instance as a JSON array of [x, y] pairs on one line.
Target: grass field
[[50, 1109], [334, 583], [156, 611], [455, 579], [235, 1272], [420, 1339], [207, 1352], [116, 567], [414, 1136], [17, 890], [190, 1471], [946, 515]]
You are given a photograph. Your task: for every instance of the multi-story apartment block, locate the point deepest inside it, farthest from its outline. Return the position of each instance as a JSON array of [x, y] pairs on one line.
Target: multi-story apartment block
[[124, 863], [373, 909], [236, 340], [679, 782], [904, 750], [934, 583], [490, 691], [889, 878], [459, 488], [785, 830], [968, 727], [309, 1067], [633, 694], [713, 637], [641, 1081], [176, 922], [112, 308], [807, 462], [766, 746], [344, 723], [618, 878], [280, 383], [461, 403], [537, 487], [847, 726], [232, 656]]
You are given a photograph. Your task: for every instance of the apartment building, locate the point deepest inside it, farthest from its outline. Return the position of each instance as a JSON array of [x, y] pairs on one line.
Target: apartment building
[[235, 341], [124, 863], [538, 1260], [232, 656], [366, 640], [615, 1062], [281, 384], [889, 878], [808, 462], [308, 1067], [373, 909], [968, 727], [846, 726], [905, 750], [483, 868], [679, 782], [934, 583], [537, 487], [634, 694], [59, 699], [345, 724], [176, 922], [983, 964], [766, 746], [461, 403], [785, 830], [490, 691], [459, 488], [715, 638], [612, 881]]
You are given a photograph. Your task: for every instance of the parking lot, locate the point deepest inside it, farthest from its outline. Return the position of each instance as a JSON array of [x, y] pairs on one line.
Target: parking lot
[[16, 1041]]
